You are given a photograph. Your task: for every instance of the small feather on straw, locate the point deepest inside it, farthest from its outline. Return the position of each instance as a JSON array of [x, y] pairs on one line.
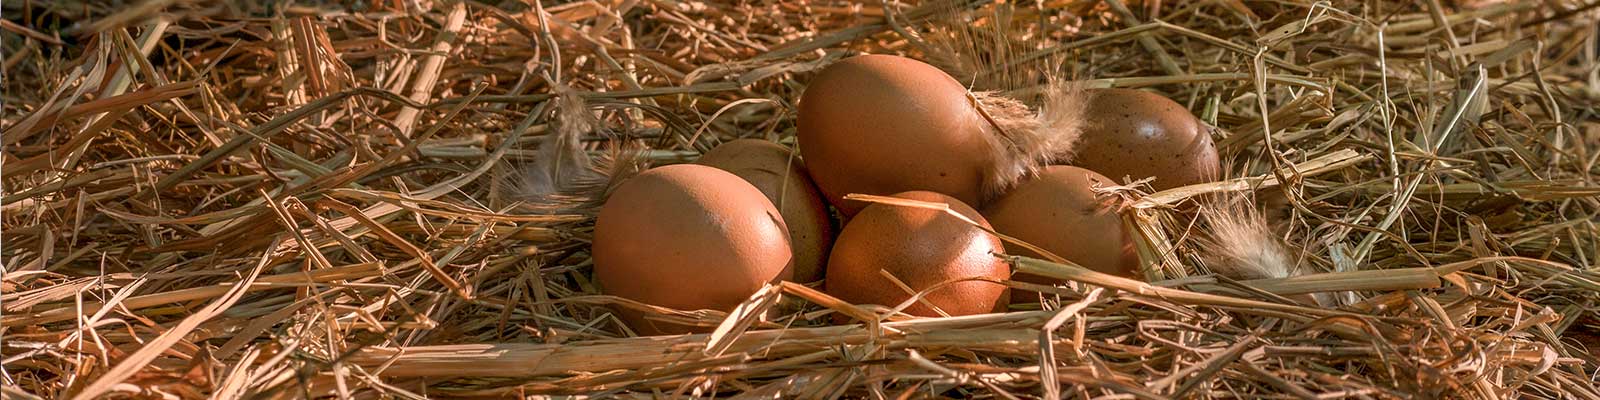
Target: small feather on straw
[[1241, 245], [563, 175], [1244, 245]]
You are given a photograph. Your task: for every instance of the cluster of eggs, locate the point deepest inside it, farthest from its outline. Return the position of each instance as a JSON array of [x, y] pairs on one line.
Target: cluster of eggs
[[708, 235]]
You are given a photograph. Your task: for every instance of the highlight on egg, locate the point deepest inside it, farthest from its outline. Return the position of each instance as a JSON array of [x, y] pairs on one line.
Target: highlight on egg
[[921, 248], [687, 237]]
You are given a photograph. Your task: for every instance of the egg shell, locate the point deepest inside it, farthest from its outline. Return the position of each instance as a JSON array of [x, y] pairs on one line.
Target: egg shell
[[877, 124], [783, 178], [1138, 134], [922, 248], [687, 237], [1057, 210]]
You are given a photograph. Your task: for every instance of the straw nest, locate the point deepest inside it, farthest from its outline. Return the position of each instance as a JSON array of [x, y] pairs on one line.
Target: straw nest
[[261, 201]]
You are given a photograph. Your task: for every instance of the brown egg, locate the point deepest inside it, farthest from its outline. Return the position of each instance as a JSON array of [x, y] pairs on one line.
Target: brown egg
[[687, 237], [770, 167], [1140, 134], [922, 248], [1058, 212], [878, 124]]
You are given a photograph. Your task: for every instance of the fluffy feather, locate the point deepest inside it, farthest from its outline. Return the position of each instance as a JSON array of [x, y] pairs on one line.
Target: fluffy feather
[[998, 56], [1024, 140], [561, 160], [1241, 245], [563, 176], [1244, 246]]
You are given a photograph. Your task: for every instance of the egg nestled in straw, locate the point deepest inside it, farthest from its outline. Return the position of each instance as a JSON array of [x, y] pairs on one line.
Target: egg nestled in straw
[[920, 248], [1138, 134], [687, 237], [1058, 211], [877, 124], [783, 178]]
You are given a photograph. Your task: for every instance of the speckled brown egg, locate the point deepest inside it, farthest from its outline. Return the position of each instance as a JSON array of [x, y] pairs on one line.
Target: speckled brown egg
[[922, 248], [687, 237], [880, 125], [784, 180], [1138, 134], [1059, 212]]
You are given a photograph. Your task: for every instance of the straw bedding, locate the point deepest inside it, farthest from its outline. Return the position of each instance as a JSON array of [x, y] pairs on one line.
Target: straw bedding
[[322, 199]]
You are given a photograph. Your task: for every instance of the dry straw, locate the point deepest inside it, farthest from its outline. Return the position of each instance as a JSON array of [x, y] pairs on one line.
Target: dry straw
[[233, 200]]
